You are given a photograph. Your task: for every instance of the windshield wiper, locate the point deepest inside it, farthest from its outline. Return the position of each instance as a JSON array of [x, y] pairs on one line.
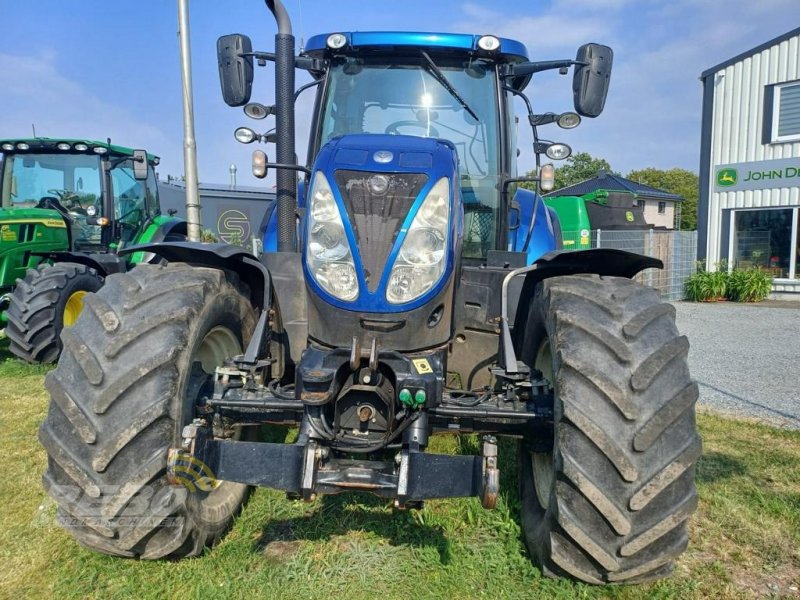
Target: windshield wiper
[[441, 78]]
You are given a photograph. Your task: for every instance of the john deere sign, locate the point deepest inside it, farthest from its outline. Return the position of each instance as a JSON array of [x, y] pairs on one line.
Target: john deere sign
[[762, 175]]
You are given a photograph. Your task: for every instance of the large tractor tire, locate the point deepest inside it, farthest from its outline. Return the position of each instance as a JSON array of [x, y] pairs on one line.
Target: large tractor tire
[[133, 368], [610, 502], [46, 301]]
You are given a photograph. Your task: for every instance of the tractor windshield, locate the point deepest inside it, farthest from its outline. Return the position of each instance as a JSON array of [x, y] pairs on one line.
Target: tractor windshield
[[395, 96], [72, 179]]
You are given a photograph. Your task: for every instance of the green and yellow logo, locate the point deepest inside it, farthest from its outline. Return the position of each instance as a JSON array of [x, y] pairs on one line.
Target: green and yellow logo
[[190, 472], [727, 177]]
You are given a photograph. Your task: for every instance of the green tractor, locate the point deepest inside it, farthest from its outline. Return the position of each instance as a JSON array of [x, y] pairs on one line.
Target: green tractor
[[67, 208]]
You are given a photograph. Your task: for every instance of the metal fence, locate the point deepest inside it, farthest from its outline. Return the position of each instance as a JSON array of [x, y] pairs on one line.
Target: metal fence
[[676, 249]]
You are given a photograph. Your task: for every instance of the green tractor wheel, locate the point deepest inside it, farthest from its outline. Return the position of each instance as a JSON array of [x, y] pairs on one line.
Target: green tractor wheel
[[46, 301], [608, 501]]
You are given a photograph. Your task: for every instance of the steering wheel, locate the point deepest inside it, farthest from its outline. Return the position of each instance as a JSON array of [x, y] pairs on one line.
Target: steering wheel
[[53, 203], [69, 198], [135, 222], [392, 128]]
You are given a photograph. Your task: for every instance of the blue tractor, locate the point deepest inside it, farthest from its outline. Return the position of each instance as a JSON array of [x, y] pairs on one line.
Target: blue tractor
[[406, 289]]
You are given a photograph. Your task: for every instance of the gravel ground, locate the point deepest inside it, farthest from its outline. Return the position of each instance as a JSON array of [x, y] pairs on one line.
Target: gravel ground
[[746, 358]]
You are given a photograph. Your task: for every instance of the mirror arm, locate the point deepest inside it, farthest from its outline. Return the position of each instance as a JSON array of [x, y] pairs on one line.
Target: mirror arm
[[301, 62], [529, 68]]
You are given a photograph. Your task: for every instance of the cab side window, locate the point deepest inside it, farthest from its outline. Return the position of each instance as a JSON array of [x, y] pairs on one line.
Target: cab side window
[[130, 200]]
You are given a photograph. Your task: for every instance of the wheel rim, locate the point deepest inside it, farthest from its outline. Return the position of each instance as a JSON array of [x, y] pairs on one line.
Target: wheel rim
[[219, 343], [73, 308], [542, 462]]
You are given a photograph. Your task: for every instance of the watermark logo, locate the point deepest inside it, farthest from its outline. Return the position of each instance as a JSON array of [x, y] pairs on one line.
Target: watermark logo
[[185, 470], [727, 177]]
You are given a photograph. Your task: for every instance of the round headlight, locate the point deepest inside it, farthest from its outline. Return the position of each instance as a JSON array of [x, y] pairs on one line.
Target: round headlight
[[7, 147], [558, 151], [254, 110], [327, 241], [23, 146], [245, 135], [63, 146], [100, 150], [336, 41], [488, 43], [81, 147], [339, 279], [378, 184], [423, 247], [569, 120]]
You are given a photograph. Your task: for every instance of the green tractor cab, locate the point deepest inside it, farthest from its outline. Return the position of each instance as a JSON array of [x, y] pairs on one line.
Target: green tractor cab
[[66, 208]]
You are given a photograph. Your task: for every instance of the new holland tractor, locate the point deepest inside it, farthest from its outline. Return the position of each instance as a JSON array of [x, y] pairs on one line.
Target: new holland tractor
[[68, 207], [409, 294]]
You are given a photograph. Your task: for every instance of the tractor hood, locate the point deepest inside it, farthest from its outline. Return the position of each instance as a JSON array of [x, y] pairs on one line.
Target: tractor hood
[[24, 231], [377, 242]]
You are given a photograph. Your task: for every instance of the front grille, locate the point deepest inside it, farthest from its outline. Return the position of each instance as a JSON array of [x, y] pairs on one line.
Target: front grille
[[377, 217]]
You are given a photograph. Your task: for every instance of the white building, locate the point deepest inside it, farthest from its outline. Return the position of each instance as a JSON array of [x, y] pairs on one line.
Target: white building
[[750, 162]]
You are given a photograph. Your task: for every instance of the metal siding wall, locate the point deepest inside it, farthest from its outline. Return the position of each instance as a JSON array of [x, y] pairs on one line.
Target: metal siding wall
[[736, 132]]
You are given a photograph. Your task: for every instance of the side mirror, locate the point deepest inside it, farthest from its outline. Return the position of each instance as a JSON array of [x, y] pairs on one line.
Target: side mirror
[[591, 79], [235, 70], [139, 165]]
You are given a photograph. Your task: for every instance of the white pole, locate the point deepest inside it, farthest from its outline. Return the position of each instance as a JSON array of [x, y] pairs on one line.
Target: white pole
[[189, 143]]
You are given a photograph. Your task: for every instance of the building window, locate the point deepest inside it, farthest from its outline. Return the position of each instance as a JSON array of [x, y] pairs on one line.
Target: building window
[[662, 208], [640, 204], [766, 240], [786, 112]]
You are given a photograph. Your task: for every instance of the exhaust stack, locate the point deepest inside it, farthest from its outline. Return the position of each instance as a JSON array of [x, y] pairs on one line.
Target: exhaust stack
[[284, 118]]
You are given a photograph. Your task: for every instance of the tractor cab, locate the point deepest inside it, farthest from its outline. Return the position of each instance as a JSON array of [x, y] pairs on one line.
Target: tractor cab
[[443, 86], [90, 186]]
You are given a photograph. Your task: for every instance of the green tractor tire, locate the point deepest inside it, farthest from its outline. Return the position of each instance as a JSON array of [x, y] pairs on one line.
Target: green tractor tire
[[609, 502], [46, 301], [132, 369]]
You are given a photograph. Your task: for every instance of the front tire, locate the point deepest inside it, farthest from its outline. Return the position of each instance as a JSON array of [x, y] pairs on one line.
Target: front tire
[[130, 374], [47, 300], [610, 502]]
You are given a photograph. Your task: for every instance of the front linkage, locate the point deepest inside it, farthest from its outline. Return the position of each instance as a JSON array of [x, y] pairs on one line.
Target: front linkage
[[350, 403]]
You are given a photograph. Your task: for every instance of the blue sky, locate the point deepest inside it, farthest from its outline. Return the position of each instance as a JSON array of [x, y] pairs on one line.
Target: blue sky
[[96, 69]]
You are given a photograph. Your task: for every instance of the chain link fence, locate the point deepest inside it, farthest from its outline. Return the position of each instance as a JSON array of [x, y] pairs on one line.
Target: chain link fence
[[676, 249]]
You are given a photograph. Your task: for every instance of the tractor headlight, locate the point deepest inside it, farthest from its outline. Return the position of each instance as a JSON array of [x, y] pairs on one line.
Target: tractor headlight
[[422, 258], [327, 250]]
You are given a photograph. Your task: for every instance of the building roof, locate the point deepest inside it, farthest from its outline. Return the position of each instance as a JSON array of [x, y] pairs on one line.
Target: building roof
[[614, 183], [749, 53]]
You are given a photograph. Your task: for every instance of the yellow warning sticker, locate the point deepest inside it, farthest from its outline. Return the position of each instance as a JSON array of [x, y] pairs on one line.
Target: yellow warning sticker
[[8, 234], [422, 366]]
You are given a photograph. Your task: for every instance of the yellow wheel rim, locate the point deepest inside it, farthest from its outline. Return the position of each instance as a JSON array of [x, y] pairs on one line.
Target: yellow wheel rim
[[73, 308]]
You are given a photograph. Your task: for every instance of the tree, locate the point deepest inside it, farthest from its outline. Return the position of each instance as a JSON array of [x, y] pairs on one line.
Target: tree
[[578, 167], [682, 182]]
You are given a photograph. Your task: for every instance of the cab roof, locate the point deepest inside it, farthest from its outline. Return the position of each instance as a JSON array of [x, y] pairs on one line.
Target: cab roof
[[446, 43], [42, 144]]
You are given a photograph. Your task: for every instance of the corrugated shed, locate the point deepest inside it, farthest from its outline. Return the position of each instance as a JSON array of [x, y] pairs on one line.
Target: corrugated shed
[[736, 128]]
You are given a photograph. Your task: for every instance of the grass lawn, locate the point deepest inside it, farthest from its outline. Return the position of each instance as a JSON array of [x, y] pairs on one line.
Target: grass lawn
[[745, 536]]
